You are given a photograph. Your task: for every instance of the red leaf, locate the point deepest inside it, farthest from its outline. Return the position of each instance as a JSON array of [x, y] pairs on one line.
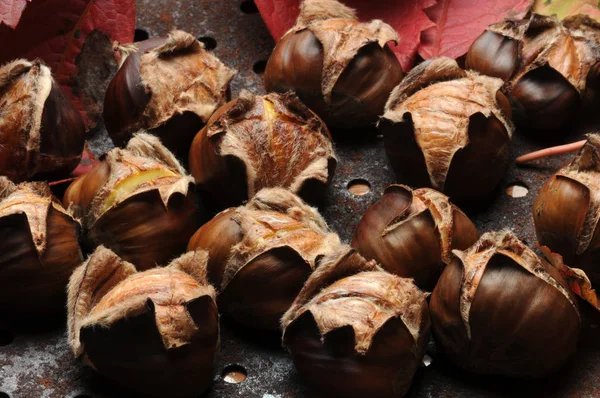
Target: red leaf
[[10, 11], [56, 31], [406, 16], [459, 22]]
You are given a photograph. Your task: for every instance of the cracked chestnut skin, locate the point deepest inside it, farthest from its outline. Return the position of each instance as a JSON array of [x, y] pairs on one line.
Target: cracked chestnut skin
[[412, 233], [355, 330], [345, 84], [41, 130], [548, 66], [167, 68], [498, 308], [262, 141], [566, 211]]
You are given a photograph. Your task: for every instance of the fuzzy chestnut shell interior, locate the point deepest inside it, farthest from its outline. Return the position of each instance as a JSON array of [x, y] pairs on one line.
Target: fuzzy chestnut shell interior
[[447, 128], [567, 210], [275, 240], [156, 332], [412, 233], [169, 86], [38, 249], [355, 330], [498, 308], [256, 142], [340, 68], [41, 131], [547, 64], [137, 201]]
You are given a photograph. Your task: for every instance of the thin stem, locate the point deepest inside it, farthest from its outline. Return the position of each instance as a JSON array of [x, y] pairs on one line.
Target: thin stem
[[552, 151]]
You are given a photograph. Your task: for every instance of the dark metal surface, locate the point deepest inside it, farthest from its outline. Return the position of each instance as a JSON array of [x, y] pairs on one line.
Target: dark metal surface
[[39, 364]]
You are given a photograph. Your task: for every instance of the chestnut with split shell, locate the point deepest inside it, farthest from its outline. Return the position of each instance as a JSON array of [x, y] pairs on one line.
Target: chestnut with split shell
[[548, 65], [448, 129], [154, 333], [261, 254], [39, 250], [262, 141], [41, 130], [355, 330], [168, 86], [567, 210], [412, 233], [340, 68], [138, 202], [500, 309]]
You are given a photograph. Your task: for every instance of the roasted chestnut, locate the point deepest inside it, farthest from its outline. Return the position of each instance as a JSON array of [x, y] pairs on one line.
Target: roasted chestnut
[[38, 250], [355, 330], [448, 129], [412, 233], [155, 333], [41, 131], [138, 202], [168, 86], [275, 241], [256, 142], [340, 68], [547, 65], [566, 211], [500, 309]]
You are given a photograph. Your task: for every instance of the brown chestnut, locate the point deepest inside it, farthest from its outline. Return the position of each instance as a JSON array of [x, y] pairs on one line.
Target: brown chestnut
[[168, 86], [39, 249], [340, 68], [448, 129], [154, 333], [547, 65], [41, 130], [276, 240], [500, 309], [355, 330], [567, 210], [138, 202], [412, 233], [257, 142]]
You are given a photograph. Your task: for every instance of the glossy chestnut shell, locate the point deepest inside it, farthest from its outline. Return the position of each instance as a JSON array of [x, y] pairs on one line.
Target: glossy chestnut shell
[[356, 331], [41, 130], [154, 333], [347, 80], [39, 250], [566, 211], [276, 240], [256, 142], [168, 86], [498, 307], [412, 233]]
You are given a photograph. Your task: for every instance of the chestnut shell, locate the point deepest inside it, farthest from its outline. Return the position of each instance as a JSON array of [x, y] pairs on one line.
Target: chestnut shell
[[514, 316], [410, 236], [359, 94]]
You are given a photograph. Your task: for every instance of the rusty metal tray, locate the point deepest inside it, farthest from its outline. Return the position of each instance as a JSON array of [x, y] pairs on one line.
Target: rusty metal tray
[[37, 363]]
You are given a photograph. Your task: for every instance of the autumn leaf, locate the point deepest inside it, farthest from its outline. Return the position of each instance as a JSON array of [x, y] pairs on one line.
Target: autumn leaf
[[74, 37], [407, 17], [565, 8], [577, 280], [10, 12], [459, 22]]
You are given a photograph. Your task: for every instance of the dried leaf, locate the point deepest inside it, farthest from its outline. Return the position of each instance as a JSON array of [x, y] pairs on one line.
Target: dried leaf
[[459, 22], [565, 8], [407, 17], [74, 37], [577, 279]]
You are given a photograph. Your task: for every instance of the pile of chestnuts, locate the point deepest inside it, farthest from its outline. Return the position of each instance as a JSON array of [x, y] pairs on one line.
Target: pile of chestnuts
[[149, 280]]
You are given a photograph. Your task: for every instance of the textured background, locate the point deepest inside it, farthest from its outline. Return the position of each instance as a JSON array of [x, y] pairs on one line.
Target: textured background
[[38, 363]]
